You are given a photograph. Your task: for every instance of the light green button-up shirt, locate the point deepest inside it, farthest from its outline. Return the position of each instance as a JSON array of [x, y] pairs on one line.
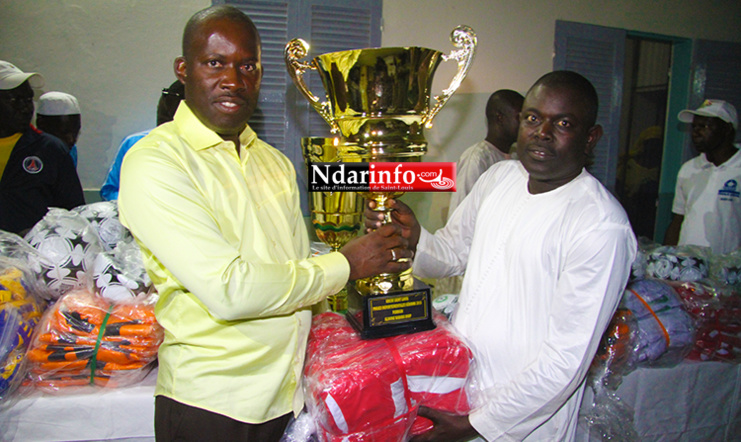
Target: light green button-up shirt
[[225, 244]]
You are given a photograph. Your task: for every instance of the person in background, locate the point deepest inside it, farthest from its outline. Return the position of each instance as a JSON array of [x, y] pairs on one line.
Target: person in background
[[166, 107], [59, 114], [217, 215], [707, 199], [36, 171], [502, 121], [547, 251]]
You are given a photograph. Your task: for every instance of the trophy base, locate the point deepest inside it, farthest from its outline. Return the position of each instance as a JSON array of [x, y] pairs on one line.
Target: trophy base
[[390, 314]]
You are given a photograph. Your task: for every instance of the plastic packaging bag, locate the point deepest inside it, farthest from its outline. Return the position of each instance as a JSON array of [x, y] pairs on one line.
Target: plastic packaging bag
[[638, 267], [69, 244], [726, 270], [718, 318], [103, 217], [300, 429], [665, 332], [119, 274], [446, 304], [14, 247], [84, 339], [615, 355], [369, 390], [678, 263], [20, 311], [607, 417]]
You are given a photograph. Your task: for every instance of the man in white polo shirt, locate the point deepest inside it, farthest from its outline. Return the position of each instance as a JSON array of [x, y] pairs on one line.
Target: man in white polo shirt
[[707, 204]]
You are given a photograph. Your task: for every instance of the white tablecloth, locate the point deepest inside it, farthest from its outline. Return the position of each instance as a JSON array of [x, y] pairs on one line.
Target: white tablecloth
[[123, 414], [690, 402], [694, 401]]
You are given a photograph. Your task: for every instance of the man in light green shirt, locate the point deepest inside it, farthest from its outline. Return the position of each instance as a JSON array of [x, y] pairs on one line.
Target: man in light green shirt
[[216, 213]]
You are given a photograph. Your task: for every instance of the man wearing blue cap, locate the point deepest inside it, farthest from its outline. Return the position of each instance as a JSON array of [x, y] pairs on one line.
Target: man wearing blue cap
[[707, 201], [36, 172]]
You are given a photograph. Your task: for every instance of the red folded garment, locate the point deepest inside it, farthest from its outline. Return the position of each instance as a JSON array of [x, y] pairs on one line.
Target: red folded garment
[[370, 390]]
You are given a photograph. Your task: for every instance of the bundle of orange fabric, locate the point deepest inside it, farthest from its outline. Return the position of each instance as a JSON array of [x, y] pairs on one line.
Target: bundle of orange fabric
[[85, 339]]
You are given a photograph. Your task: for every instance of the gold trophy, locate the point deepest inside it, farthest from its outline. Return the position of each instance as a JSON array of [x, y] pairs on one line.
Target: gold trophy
[[378, 101], [336, 216]]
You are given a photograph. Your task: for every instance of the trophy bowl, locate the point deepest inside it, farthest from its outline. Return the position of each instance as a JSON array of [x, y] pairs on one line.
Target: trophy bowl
[[378, 102], [335, 216]]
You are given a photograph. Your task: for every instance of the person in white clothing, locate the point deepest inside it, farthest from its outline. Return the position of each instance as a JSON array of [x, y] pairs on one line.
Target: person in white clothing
[[547, 252], [707, 199], [502, 122]]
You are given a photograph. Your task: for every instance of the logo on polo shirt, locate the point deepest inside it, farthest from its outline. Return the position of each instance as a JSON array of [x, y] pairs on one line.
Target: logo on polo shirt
[[33, 165], [729, 191]]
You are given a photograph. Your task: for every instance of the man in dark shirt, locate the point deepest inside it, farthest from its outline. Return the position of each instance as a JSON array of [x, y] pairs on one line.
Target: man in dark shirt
[[58, 114], [36, 172]]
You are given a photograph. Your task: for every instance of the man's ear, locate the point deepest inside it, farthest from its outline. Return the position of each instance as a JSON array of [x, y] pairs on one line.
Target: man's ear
[[593, 136], [179, 67]]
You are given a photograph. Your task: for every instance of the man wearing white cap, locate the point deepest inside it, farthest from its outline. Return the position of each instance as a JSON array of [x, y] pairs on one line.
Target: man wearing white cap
[[58, 114], [707, 200], [36, 172]]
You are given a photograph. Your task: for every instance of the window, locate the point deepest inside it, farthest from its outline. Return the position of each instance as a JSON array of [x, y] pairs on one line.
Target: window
[[283, 115]]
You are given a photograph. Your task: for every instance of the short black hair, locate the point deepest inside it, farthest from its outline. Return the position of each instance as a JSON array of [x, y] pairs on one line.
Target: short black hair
[[576, 82], [214, 12], [502, 100], [169, 101]]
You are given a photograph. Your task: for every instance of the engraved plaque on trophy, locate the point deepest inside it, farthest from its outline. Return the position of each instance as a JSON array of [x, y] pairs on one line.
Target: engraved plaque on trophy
[[378, 104]]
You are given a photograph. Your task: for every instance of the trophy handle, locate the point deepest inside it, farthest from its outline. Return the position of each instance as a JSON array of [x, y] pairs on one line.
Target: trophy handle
[[295, 49], [464, 38]]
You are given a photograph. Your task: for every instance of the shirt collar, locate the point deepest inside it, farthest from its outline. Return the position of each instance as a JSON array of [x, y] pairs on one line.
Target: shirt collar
[[201, 137], [734, 161]]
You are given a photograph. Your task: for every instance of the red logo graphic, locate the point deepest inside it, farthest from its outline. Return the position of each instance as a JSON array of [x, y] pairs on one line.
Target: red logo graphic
[[33, 165]]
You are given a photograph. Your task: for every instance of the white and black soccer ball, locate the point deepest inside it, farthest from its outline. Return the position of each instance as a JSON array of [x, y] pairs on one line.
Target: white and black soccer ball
[[69, 245], [103, 216]]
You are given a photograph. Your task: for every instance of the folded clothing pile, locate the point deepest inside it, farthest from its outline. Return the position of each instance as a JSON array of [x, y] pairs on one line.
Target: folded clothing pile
[[665, 332], [85, 339], [20, 311], [718, 319], [614, 357], [370, 390]]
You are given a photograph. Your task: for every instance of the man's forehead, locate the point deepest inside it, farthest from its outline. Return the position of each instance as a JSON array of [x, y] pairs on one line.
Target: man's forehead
[[558, 99], [702, 119]]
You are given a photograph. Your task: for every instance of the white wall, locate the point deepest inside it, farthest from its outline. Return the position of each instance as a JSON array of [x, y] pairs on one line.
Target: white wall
[[116, 55], [515, 47]]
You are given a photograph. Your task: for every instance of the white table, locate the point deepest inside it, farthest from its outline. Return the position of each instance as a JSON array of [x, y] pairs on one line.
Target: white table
[[694, 401], [690, 402], [123, 414]]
